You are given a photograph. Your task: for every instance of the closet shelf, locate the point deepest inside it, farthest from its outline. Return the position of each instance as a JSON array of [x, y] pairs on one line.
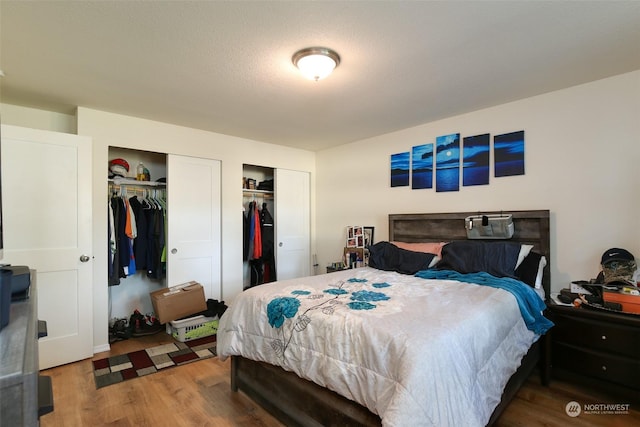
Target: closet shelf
[[249, 192], [129, 181]]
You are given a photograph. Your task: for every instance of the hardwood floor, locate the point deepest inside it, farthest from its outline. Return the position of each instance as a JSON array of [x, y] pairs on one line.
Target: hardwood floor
[[195, 394], [536, 405], [198, 394]]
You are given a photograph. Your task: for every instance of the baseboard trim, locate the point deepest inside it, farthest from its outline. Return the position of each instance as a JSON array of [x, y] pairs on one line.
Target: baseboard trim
[[101, 348]]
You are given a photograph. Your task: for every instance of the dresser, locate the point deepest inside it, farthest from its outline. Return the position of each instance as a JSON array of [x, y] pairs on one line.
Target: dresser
[[600, 349], [24, 394]]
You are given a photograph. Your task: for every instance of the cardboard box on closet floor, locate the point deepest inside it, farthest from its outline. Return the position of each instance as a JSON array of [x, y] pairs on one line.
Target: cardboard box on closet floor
[[178, 301]]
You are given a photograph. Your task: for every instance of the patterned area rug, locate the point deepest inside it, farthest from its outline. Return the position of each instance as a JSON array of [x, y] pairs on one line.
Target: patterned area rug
[[115, 369]]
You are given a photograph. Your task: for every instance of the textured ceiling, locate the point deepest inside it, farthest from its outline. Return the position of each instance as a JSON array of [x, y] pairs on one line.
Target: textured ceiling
[[225, 66]]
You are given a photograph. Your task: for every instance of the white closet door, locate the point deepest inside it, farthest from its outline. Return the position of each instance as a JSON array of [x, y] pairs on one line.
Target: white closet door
[[292, 213], [46, 196], [193, 223]]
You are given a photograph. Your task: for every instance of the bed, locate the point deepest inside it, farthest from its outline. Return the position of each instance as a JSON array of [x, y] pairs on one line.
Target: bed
[[476, 347]]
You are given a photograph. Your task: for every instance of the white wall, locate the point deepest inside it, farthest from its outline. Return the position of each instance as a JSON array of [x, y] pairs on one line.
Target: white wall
[[582, 162], [37, 119]]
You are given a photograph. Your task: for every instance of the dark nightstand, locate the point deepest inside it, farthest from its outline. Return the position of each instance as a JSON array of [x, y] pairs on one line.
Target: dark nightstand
[[600, 349]]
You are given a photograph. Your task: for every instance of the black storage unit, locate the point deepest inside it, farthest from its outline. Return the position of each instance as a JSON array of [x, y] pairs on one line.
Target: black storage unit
[[597, 348]]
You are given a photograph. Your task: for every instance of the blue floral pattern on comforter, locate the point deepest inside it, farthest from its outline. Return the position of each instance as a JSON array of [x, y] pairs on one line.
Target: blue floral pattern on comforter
[[282, 308]]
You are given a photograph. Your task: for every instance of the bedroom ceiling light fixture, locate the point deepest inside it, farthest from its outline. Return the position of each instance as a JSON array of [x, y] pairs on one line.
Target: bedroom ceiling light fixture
[[316, 63]]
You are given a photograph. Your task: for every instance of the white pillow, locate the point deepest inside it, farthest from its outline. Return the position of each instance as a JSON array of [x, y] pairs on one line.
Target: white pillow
[[541, 266]]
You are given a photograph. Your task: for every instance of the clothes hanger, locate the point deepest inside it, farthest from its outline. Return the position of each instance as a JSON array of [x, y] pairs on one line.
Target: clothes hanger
[[162, 198], [159, 204], [145, 200]]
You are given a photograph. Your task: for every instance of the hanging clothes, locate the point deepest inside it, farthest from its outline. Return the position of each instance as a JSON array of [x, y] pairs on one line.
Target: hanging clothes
[[245, 235], [257, 234], [258, 243], [132, 233], [123, 240], [111, 239], [137, 230], [155, 227], [117, 238], [256, 270], [254, 250], [268, 242], [141, 242], [252, 246], [248, 235]]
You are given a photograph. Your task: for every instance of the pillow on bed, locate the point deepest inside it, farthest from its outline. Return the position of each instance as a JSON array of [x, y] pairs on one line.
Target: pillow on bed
[[496, 258], [531, 270], [428, 247], [387, 256], [524, 251]]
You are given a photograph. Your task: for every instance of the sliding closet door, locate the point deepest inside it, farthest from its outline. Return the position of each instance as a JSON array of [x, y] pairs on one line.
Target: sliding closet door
[[193, 223], [293, 241], [46, 194]]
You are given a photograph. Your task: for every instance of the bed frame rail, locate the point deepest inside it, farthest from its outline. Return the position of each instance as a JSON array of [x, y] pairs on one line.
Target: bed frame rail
[[279, 392]]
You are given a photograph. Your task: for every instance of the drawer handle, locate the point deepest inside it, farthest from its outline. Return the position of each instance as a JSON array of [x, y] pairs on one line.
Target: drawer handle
[[604, 367], [604, 337]]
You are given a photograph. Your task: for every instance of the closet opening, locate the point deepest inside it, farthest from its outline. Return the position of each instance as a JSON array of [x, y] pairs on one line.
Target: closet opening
[[258, 209], [137, 230]]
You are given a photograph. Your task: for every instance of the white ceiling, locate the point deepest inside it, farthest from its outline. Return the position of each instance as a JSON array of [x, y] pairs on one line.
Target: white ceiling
[[225, 66]]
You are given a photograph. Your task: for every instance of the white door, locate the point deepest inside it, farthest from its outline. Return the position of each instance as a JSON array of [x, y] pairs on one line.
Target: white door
[[193, 223], [292, 213], [46, 201]]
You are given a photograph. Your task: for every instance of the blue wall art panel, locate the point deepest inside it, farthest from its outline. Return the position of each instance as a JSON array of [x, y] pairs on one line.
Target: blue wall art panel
[[400, 169], [448, 162], [509, 154], [475, 160], [422, 166]]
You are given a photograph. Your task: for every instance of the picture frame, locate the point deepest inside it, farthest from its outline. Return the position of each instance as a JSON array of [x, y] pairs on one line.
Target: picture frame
[[355, 236], [368, 236], [358, 235]]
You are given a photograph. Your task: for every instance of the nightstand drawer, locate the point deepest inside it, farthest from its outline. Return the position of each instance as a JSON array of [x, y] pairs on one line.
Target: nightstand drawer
[[608, 337], [621, 370]]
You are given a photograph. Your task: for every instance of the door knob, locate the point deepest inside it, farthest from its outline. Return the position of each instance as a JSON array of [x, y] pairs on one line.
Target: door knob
[[84, 258], [174, 251]]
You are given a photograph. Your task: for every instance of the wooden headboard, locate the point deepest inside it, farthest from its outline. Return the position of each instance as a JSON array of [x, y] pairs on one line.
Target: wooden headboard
[[531, 227]]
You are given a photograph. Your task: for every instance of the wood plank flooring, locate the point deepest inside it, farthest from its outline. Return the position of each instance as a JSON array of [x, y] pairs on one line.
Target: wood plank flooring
[[198, 394]]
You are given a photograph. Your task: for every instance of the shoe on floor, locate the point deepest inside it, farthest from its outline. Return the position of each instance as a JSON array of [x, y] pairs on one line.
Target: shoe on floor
[[119, 331], [144, 325]]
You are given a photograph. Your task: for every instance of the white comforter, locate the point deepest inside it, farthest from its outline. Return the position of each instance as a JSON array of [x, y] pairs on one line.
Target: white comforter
[[416, 352]]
